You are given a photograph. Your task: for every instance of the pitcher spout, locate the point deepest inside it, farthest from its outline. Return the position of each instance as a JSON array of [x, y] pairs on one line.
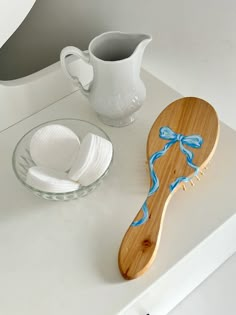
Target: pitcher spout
[[142, 41], [117, 46]]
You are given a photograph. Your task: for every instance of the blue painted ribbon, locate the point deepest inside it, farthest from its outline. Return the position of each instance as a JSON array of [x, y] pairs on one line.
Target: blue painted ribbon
[[166, 133]]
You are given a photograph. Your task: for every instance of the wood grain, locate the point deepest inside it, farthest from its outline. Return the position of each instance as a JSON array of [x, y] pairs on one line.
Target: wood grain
[[185, 116]]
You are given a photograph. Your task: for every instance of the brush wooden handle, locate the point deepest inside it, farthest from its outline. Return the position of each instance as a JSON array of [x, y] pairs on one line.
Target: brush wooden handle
[[140, 243]]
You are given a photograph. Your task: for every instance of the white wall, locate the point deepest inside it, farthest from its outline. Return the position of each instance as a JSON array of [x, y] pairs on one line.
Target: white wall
[[193, 49], [12, 14]]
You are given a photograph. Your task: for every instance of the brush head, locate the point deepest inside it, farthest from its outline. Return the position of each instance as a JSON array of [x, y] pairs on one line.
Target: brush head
[[191, 126]]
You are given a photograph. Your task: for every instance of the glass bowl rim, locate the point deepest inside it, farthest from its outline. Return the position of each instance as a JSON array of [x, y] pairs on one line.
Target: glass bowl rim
[[63, 193]]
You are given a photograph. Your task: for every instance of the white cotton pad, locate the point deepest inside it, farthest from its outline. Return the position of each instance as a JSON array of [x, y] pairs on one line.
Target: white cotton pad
[[54, 146], [84, 158], [50, 180], [100, 163], [93, 159]]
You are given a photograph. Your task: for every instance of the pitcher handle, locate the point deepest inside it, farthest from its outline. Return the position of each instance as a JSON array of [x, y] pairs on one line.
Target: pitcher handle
[[84, 55]]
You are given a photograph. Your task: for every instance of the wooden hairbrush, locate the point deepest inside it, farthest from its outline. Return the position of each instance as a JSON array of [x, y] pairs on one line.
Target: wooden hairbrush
[[180, 144]]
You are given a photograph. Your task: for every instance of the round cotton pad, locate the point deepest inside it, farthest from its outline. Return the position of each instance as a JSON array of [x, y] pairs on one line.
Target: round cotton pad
[[99, 164], [54, 146], [50, 180], [85, 157]]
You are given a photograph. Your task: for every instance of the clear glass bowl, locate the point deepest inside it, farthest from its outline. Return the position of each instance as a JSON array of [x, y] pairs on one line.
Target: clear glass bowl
[[21, 159]]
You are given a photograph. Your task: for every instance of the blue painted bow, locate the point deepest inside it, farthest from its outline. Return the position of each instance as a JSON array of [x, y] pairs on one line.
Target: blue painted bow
[[193, 141], [166, 133]]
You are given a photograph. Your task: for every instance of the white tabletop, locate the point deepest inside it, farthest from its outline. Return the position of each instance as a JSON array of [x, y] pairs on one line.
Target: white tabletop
[[61, 257], [215, 296]]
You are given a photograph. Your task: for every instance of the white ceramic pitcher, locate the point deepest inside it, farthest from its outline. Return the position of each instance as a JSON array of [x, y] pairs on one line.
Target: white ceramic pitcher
[[116, 91]]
